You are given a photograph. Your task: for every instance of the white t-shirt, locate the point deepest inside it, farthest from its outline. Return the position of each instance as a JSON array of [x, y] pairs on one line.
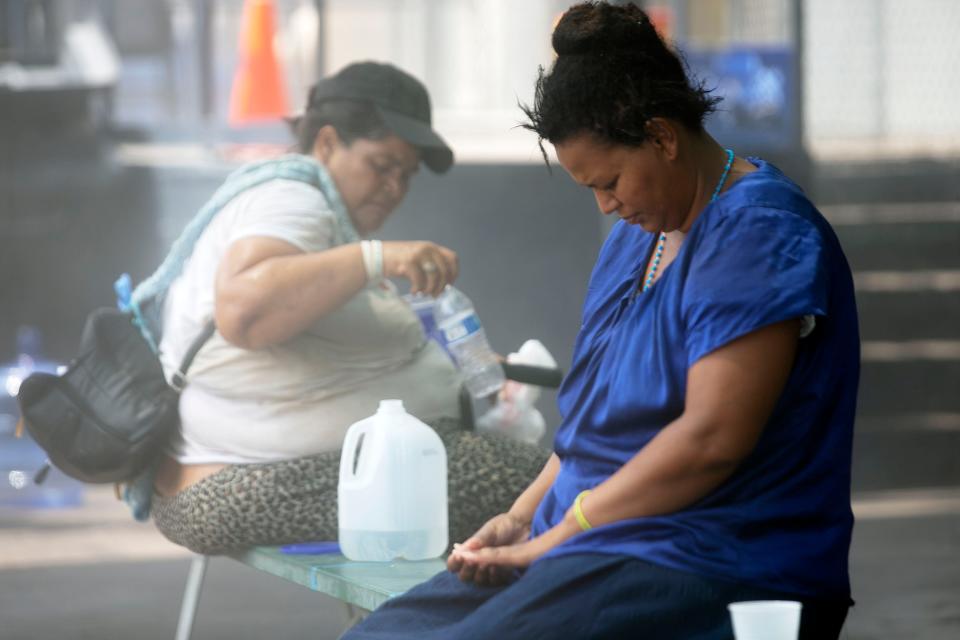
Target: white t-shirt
[[299, 397]]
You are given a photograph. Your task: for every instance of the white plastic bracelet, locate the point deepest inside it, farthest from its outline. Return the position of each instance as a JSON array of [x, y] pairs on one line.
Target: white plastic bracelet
[[377, 247], [372, 252]]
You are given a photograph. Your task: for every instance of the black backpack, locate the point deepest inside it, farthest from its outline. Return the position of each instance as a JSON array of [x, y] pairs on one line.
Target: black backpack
[[108, 416]]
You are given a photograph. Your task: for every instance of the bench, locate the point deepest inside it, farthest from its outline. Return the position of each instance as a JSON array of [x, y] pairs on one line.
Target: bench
[[361, 586]]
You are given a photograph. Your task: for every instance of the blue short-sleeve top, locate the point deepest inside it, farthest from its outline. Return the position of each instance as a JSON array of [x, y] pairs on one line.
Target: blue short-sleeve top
[[759, 254]]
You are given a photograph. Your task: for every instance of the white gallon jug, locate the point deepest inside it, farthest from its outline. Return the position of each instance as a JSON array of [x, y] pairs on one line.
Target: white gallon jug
[[392, 494]]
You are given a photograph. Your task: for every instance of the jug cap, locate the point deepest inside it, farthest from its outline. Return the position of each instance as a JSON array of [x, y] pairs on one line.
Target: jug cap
[[391, 406]]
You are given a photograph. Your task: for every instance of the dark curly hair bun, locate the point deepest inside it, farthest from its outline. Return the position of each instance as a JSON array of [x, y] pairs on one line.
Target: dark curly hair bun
[[613, 73], [597, 29]]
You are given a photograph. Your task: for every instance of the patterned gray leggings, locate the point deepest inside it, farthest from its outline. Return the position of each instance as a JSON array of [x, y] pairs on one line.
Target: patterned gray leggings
[[296, 500]]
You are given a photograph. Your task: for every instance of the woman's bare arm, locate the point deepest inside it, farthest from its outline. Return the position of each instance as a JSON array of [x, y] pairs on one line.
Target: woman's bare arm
[[268, 290], [730, 396]]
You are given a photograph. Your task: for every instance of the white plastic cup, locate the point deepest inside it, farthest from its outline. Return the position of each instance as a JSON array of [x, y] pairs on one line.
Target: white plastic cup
[[765, 619]]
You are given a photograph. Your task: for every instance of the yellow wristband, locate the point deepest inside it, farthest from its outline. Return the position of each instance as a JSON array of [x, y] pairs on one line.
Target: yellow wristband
[[578, 511]]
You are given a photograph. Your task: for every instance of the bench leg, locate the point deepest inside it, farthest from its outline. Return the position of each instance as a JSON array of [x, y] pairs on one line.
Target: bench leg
[[191, 597], [354, 614]]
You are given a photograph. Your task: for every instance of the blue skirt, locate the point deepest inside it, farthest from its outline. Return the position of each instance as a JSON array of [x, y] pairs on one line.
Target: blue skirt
[[582, 596]]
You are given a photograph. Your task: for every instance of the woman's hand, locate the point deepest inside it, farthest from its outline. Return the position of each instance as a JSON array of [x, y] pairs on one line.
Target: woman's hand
[[501, 546], [429, 267], [504, 531], [500, 531]]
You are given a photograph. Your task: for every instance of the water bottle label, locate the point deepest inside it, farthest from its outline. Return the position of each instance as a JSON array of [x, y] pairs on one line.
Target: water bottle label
[[464, 328]]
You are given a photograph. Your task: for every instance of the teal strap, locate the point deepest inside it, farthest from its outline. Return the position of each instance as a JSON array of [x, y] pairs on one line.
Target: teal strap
[[289, 167]]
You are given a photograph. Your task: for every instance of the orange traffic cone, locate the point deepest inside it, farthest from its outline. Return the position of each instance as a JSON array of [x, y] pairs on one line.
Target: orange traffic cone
[[258, 92]]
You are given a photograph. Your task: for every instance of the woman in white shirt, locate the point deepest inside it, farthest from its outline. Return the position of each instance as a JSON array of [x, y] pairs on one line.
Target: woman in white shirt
[[311, 334]]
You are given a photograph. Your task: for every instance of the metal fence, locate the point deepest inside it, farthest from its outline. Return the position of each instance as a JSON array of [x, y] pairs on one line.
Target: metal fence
[[880, 77]]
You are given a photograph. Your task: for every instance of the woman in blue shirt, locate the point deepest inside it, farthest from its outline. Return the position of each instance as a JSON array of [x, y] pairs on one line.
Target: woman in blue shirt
[[705, 449]]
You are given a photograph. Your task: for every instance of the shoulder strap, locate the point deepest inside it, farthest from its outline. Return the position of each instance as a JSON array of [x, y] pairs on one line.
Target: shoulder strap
[[179, 378], [289, 167]]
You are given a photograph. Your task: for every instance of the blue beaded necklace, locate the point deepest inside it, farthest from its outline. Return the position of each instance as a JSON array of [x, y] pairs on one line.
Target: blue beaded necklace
[[658, 253]]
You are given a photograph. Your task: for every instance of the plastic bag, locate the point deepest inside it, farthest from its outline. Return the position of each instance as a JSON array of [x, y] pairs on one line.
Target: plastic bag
[[515, 413]]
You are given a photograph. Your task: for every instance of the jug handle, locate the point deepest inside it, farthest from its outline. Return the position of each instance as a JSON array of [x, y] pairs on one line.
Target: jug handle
[[348, 452]]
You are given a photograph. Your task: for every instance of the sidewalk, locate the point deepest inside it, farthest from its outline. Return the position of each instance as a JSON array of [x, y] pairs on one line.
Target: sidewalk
[[93, 572], [905, 566], [100, 531]]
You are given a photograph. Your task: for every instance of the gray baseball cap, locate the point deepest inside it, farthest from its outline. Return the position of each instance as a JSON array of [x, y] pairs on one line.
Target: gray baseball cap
[[400, 99]]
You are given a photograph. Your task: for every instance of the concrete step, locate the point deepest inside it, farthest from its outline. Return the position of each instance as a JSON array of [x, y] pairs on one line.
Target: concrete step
[[906, 451], [901, 246], [895, 180], [909, 315], [909, 386]]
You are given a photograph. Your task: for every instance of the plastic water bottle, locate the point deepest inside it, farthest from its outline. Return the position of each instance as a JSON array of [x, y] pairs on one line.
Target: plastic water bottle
[[467, 342], [392, 491], [423, 305]]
